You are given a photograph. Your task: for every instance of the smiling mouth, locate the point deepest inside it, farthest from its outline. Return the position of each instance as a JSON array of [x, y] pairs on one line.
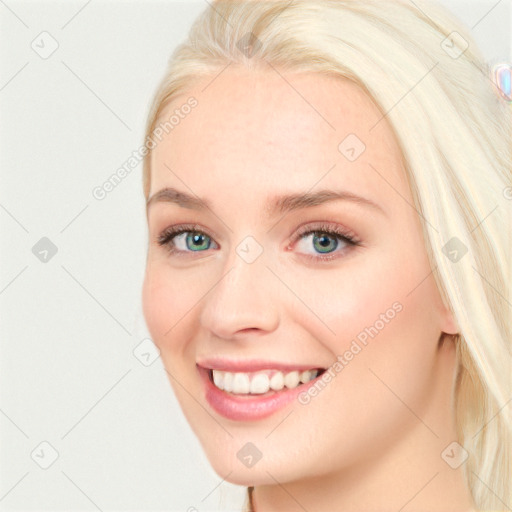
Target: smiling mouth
[[262, 382]]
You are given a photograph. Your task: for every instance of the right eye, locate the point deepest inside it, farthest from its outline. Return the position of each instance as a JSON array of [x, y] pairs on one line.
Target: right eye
[[185, 239]]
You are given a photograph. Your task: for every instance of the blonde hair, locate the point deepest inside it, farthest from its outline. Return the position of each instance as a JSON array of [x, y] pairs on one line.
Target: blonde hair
[[454, 132]]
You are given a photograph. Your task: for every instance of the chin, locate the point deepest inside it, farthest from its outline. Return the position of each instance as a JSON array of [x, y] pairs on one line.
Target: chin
[[247, 477], [226, 463]]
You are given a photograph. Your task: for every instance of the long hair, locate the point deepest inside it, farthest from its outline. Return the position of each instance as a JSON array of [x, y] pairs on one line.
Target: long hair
[[423, 71]]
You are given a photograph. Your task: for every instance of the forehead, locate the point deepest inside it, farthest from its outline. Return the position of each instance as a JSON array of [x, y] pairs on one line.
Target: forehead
[[254, 130]]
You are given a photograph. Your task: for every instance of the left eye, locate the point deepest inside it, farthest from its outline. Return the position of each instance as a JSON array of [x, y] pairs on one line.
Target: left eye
[[324, 241]]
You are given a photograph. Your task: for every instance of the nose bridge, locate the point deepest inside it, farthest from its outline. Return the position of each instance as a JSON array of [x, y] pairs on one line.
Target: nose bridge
[[244, 296]]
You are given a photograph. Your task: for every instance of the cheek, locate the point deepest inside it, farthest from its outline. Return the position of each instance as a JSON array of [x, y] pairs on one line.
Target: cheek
[[386, 332], [166, 300], [383, 297], [389, 310], [156, 304]]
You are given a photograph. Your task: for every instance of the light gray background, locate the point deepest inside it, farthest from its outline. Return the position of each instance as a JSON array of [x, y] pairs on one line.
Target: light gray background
[[69, 326]]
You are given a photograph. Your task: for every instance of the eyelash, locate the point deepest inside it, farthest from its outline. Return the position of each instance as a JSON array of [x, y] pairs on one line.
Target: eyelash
[[345, 236]]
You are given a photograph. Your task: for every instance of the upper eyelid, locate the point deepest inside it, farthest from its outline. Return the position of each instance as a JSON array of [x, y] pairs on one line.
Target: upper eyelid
[[333, 228], [186, 227]]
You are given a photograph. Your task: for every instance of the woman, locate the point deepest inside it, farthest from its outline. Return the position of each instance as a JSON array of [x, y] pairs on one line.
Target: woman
[[328, 270]]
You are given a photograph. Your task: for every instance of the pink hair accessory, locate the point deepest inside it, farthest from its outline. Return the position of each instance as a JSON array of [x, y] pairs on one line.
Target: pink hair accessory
[[502, 78]]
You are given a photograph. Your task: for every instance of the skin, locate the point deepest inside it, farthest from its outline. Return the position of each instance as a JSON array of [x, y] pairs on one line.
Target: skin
[[372, 439]]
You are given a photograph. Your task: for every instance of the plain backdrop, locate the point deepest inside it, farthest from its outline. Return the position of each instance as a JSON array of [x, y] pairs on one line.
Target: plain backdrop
[[86, 423]]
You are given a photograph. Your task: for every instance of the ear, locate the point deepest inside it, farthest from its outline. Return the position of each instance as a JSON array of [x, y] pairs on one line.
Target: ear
[[449, 323]]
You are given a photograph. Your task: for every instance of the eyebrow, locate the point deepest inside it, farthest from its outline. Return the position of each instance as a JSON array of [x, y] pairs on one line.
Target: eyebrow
[[278, 205]]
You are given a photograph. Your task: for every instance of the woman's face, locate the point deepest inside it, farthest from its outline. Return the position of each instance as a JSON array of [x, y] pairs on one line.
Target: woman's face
[[260, 169]]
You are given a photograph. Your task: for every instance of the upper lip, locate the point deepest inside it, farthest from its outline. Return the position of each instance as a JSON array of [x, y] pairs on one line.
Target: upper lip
[[252, 365]]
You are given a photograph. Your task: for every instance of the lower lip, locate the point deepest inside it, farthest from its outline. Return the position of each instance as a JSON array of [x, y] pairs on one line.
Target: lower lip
[[248, 407]]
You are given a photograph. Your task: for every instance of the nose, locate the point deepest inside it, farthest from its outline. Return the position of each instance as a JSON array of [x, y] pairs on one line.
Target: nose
[[244, 298]]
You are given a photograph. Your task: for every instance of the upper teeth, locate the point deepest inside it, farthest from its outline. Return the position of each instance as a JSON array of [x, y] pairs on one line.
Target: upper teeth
[[260, 382]]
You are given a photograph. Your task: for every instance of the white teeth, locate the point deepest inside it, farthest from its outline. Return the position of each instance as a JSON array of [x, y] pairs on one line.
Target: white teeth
[[218, 379], [308, 375], [228, 381], [260, 382], [305, 376], [241, 383], [277, 381], [291, 380]]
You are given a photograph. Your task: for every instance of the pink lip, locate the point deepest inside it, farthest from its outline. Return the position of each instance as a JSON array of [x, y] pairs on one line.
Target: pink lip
[[253, 365], [252, 407]]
